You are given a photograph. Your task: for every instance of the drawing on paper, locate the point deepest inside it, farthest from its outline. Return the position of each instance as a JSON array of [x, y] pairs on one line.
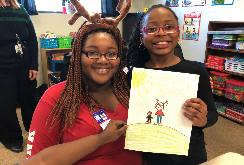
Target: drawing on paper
[[160, 107], [149, 117], [159, 96]]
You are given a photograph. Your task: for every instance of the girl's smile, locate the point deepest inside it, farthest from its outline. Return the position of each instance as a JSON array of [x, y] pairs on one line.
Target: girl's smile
[[99, 70], [160, 43]]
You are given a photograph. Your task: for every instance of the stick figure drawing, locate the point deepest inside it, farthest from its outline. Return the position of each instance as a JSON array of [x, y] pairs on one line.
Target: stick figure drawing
[[159, 107], [149, 117]]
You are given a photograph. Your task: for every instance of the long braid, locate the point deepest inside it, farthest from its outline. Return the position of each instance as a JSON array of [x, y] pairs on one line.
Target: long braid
[[76, 89]]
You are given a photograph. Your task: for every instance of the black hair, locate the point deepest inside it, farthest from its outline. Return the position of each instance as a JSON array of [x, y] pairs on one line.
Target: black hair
[[72, 41], [85, 37], [138, 54]]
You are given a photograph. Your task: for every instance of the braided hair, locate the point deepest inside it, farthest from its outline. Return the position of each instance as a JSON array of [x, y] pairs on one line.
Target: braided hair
[[76, 90], [137, 53]]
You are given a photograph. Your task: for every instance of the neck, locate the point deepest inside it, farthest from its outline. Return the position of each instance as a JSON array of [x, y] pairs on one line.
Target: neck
[[162, 61], [104, 88], [7, 2]]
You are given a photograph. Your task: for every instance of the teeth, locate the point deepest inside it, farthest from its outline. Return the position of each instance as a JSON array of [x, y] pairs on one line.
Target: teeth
[[102, 70], [161, 43]]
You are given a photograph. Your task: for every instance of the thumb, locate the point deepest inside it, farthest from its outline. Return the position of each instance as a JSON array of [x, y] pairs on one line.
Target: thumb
[[122, 130], [30, 74]]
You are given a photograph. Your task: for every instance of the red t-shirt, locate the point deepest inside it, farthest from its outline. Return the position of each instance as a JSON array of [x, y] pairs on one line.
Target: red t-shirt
[[159, 112], [40, 137]]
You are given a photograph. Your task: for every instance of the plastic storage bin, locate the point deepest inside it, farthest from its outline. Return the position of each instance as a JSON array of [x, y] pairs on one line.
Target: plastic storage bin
[[234, 95], [219, 91], [219, 85], [64, 42], [221, 107], [56, 65], [219, 77], [235, 85], [49, 43], [234, 66]]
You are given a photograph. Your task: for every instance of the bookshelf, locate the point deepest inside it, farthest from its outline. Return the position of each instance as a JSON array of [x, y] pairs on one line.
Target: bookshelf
[[216, 27], [45, 53]]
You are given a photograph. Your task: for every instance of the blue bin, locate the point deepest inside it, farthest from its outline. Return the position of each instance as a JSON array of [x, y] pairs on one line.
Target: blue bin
[[56, 65], [49, 43]]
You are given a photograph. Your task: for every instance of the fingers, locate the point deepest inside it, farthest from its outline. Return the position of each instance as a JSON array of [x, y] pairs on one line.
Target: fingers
[[211, 83], [196, 111], [114, 130], [194, 103], [119, 124], [32, 74]]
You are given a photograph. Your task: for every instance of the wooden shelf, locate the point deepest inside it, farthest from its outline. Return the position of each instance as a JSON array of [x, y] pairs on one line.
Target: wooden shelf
[[45, 53], [231, 118], [224, 27], [225, 71], [227, 32], [48, 72], [57, 49], [234, 73], [228, 50]]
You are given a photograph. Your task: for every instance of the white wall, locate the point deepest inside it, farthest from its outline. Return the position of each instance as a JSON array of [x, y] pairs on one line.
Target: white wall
[[192, 50], [195, 50]]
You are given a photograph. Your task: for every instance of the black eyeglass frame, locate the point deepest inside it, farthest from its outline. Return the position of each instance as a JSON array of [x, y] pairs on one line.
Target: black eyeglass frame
[[105, 55]]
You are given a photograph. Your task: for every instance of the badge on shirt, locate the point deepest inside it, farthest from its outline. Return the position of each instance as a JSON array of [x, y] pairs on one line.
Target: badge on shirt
[[102, 118], [18, 49]]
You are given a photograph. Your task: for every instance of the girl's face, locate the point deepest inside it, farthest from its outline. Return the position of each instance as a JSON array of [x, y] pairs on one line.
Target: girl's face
[[158, 107], [160, 43], [99, 71]]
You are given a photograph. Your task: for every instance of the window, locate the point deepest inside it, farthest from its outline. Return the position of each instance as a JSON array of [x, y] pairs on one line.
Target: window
[[92, 6], [49, 5]]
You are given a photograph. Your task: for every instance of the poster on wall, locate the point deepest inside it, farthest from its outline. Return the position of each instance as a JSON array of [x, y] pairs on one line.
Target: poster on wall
[[172, 3], [222, 2], [191, 25], [192, 3]]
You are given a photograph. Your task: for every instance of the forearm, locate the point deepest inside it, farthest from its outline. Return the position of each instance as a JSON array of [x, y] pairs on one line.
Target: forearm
[[67, 153], [212, 117]]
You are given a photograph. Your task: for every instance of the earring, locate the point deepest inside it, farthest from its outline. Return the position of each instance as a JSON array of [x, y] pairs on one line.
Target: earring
[[141, 47]]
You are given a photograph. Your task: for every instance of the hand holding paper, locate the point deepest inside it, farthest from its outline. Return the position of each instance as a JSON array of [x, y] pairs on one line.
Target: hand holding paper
[[198, 109]]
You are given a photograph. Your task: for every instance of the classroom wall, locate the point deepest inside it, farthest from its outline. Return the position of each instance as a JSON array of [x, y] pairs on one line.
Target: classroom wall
[[192, 50], [195, 50]]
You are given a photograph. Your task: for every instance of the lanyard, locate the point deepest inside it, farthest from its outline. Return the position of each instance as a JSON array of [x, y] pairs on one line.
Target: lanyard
[[16, 35]]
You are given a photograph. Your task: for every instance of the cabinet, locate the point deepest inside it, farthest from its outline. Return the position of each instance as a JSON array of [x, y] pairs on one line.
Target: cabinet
[[216, 27], [45, 53]]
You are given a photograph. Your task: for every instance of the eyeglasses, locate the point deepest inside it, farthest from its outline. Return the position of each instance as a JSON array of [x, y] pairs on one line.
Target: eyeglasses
[[97, 55], [155, 29]]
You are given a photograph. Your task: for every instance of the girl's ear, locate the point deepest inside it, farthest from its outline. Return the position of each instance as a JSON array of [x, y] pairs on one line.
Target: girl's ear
[[141, 39], [179, 35]]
